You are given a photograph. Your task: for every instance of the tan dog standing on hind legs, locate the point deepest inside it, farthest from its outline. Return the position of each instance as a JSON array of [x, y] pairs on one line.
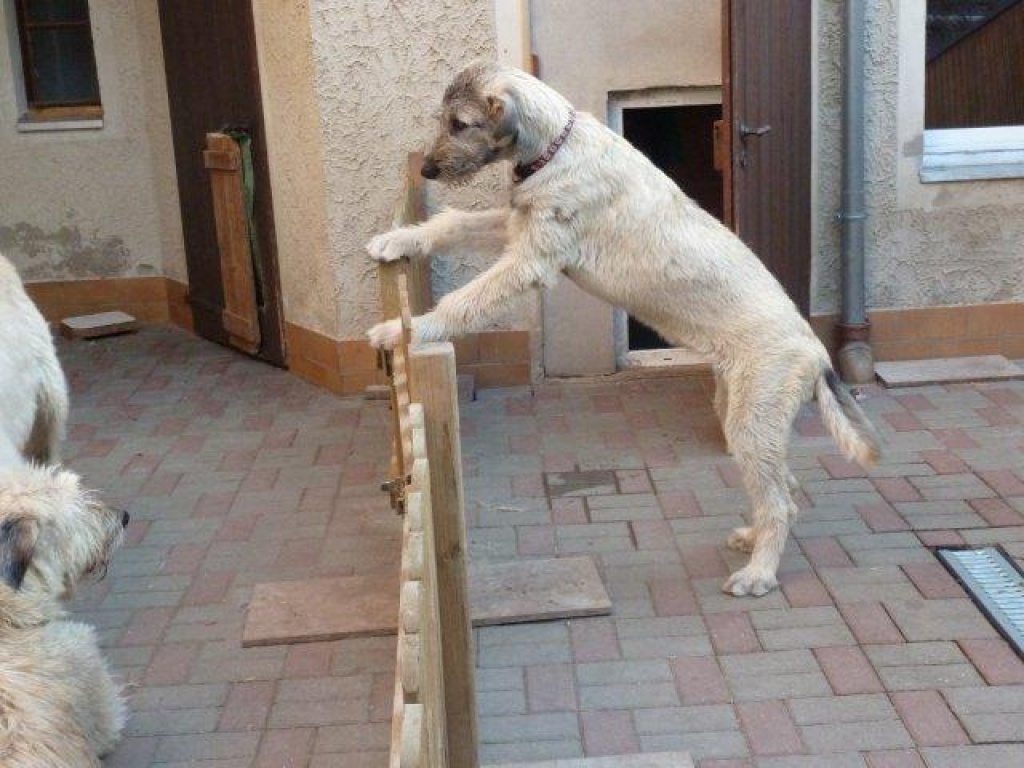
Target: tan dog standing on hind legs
[[588, 205]]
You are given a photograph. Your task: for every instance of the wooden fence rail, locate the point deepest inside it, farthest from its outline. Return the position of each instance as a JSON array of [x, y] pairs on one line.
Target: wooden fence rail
[[434, 719]]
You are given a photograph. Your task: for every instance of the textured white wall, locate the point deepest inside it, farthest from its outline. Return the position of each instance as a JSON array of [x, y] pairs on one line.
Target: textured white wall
[[95, 203], [379, 72], [927, 244]]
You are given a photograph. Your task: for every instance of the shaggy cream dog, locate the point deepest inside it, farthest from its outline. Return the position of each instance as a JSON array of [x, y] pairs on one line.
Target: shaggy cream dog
[[59, 707], [588, 205], [34, 405]]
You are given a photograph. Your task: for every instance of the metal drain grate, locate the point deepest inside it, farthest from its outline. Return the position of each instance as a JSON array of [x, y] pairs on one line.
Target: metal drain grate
[[996, 584]]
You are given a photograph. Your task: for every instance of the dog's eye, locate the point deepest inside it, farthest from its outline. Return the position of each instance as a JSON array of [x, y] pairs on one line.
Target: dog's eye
[[457, 125]]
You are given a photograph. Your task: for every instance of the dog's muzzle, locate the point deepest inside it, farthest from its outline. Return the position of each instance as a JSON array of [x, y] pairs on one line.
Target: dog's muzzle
[[125, 517]]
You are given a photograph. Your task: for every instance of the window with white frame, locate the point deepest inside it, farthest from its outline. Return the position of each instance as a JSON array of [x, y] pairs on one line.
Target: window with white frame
[[57, 60], [974, 90]]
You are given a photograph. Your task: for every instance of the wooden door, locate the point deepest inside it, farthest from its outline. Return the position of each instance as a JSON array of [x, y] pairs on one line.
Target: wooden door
[[212, 86], [766, 102]]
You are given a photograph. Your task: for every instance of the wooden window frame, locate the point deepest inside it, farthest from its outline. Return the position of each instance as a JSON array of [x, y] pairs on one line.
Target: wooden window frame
[[37, 109]]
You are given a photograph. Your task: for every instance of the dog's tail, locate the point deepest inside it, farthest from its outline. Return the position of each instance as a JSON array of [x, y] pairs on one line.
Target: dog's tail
[[845, 420], [44, 441]]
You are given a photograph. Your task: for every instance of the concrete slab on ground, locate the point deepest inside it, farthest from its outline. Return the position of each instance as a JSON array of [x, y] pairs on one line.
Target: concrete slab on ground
[[946, 370]]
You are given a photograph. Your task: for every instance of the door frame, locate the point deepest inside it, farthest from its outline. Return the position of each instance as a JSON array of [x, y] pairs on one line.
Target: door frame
[[618, 101]]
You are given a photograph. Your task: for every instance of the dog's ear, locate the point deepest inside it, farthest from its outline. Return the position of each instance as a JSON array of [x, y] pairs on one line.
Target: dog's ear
[[501, 111], [17, 546]]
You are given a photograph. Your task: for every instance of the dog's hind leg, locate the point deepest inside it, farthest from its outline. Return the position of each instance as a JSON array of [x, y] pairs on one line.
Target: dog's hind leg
[[758, 434]]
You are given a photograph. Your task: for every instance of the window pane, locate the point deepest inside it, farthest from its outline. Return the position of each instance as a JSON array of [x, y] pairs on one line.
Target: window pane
[[975, 63], [56, 10], [64, 71]]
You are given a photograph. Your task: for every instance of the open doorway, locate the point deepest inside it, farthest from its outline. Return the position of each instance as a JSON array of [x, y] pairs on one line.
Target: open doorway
[[674, 128]]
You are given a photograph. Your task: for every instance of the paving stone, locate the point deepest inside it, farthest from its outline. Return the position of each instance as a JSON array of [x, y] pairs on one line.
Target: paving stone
[[895, 758], [835, 760], [867, 584], [848, 670], [995, 660], [928, 719], [943, 619], [921, 666], [870, 623], [981, 756], [774, 675], [990, 714], [769, 728]]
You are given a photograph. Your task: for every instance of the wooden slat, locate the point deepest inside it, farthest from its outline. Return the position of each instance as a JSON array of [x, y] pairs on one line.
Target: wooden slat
[[432, 373], [240, 316], [433, 682]]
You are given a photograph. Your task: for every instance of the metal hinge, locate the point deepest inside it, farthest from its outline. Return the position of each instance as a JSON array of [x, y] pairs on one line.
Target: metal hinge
[[395, 489]]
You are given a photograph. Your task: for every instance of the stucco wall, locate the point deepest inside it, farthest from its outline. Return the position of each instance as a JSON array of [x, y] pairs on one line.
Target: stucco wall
[[930, 244], [379, 72], [94, 203], [295, 150]]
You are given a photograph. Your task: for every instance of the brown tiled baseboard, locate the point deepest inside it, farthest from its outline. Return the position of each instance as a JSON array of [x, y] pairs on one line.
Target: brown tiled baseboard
[[178, 310], [916, 334], [495, 358], [145, 298], [502, 358]]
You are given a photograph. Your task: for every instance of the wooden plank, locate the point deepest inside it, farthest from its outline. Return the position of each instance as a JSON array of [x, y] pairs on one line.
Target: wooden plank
[[533, 592], [96, 325], [321, 609], [240, 316], [412, 737], [537, 590], [945, 370], [432, 372]]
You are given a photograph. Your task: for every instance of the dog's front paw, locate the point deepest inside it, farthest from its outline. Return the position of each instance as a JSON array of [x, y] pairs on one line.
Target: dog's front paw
[[750, 581], [386, 335], [395, 245]]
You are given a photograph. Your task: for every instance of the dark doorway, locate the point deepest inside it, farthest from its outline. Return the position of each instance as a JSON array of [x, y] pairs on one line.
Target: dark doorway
[[212, 85], [680, 141]]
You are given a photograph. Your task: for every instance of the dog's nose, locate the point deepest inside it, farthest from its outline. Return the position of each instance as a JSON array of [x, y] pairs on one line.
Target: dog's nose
[[430, 169], [125, 517]]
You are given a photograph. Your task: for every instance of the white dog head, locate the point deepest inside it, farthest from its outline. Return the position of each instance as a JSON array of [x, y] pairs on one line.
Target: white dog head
[[490, 113], [52, 534]]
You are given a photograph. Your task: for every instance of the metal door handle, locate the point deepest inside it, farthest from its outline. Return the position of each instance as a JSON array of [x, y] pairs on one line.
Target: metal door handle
[[746, 130], [745, 133]]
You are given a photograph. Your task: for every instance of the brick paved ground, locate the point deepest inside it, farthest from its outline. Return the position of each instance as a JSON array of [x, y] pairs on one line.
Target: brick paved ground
[[870, 655]]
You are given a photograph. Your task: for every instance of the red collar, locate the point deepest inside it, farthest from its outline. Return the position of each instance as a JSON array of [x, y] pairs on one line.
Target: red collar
[[521, 172]]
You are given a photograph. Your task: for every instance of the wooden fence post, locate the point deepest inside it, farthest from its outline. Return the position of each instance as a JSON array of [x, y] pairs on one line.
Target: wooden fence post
[[432, 376]]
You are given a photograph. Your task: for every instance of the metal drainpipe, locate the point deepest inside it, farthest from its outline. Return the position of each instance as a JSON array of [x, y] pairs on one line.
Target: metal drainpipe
[[856, 359]]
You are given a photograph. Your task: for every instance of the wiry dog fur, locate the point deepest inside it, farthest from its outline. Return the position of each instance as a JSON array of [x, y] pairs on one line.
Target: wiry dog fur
[[59, 706], [600, 213], [34, 405]]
